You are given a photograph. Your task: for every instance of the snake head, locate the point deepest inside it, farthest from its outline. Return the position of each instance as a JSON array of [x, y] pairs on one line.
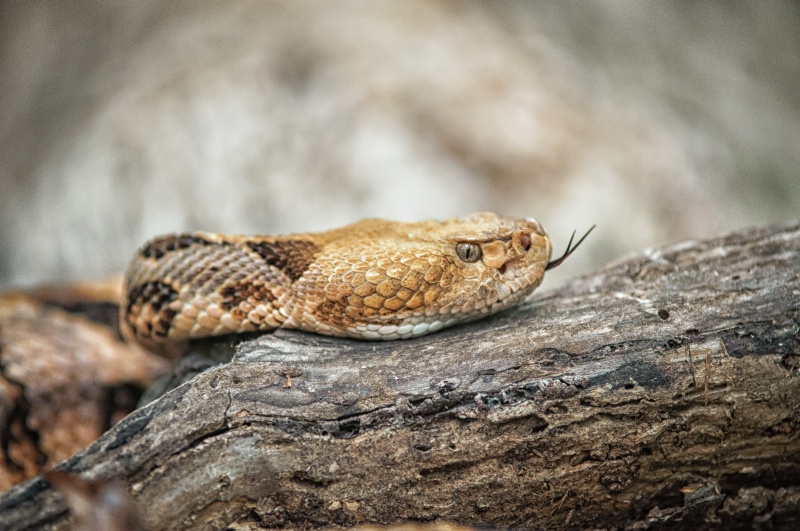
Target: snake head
[[505, 262], [402, 280]]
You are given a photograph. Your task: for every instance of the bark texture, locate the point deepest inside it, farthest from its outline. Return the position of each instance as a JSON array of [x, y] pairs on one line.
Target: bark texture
[[661, 391]]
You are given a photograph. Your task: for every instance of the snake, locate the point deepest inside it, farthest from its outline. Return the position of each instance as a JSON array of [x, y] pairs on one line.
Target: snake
[[374, 279]]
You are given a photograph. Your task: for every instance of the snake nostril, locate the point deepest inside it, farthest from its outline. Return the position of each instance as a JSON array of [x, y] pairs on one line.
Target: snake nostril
[[525, 241]]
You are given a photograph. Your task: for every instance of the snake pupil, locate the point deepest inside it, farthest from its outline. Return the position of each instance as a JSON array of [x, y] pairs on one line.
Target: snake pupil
[[468, 252]]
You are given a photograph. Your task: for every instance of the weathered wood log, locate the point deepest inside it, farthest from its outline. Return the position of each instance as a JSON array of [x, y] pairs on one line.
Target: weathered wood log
[[663, 389]]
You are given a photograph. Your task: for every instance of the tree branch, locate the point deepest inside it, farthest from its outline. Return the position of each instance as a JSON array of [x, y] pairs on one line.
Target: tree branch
[[662, 389]]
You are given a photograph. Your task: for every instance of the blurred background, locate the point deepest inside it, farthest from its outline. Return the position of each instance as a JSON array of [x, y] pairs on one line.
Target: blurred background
[[659, 121]]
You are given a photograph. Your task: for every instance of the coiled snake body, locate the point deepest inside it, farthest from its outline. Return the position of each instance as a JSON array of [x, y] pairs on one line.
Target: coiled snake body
[[374, 279]]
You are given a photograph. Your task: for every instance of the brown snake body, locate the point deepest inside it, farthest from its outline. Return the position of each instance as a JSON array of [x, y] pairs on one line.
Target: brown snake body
[[374, 279]]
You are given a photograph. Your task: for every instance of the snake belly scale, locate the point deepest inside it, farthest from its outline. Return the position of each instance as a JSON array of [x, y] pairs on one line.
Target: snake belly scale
[[374, 279]]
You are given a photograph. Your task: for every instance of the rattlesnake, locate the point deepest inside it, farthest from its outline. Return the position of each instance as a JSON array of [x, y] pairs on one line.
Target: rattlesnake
[[374, 279]]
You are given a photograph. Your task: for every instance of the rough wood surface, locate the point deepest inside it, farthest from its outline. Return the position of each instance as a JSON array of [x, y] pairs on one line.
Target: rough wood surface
[[662, 390]]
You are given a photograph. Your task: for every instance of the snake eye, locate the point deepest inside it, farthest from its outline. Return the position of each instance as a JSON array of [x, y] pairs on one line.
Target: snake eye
[[468, 252]]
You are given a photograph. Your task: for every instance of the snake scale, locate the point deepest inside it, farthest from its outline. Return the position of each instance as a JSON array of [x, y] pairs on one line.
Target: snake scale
[[374, 279]]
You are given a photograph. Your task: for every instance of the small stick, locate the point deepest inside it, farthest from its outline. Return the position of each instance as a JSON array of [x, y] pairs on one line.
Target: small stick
[[708, 375]]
